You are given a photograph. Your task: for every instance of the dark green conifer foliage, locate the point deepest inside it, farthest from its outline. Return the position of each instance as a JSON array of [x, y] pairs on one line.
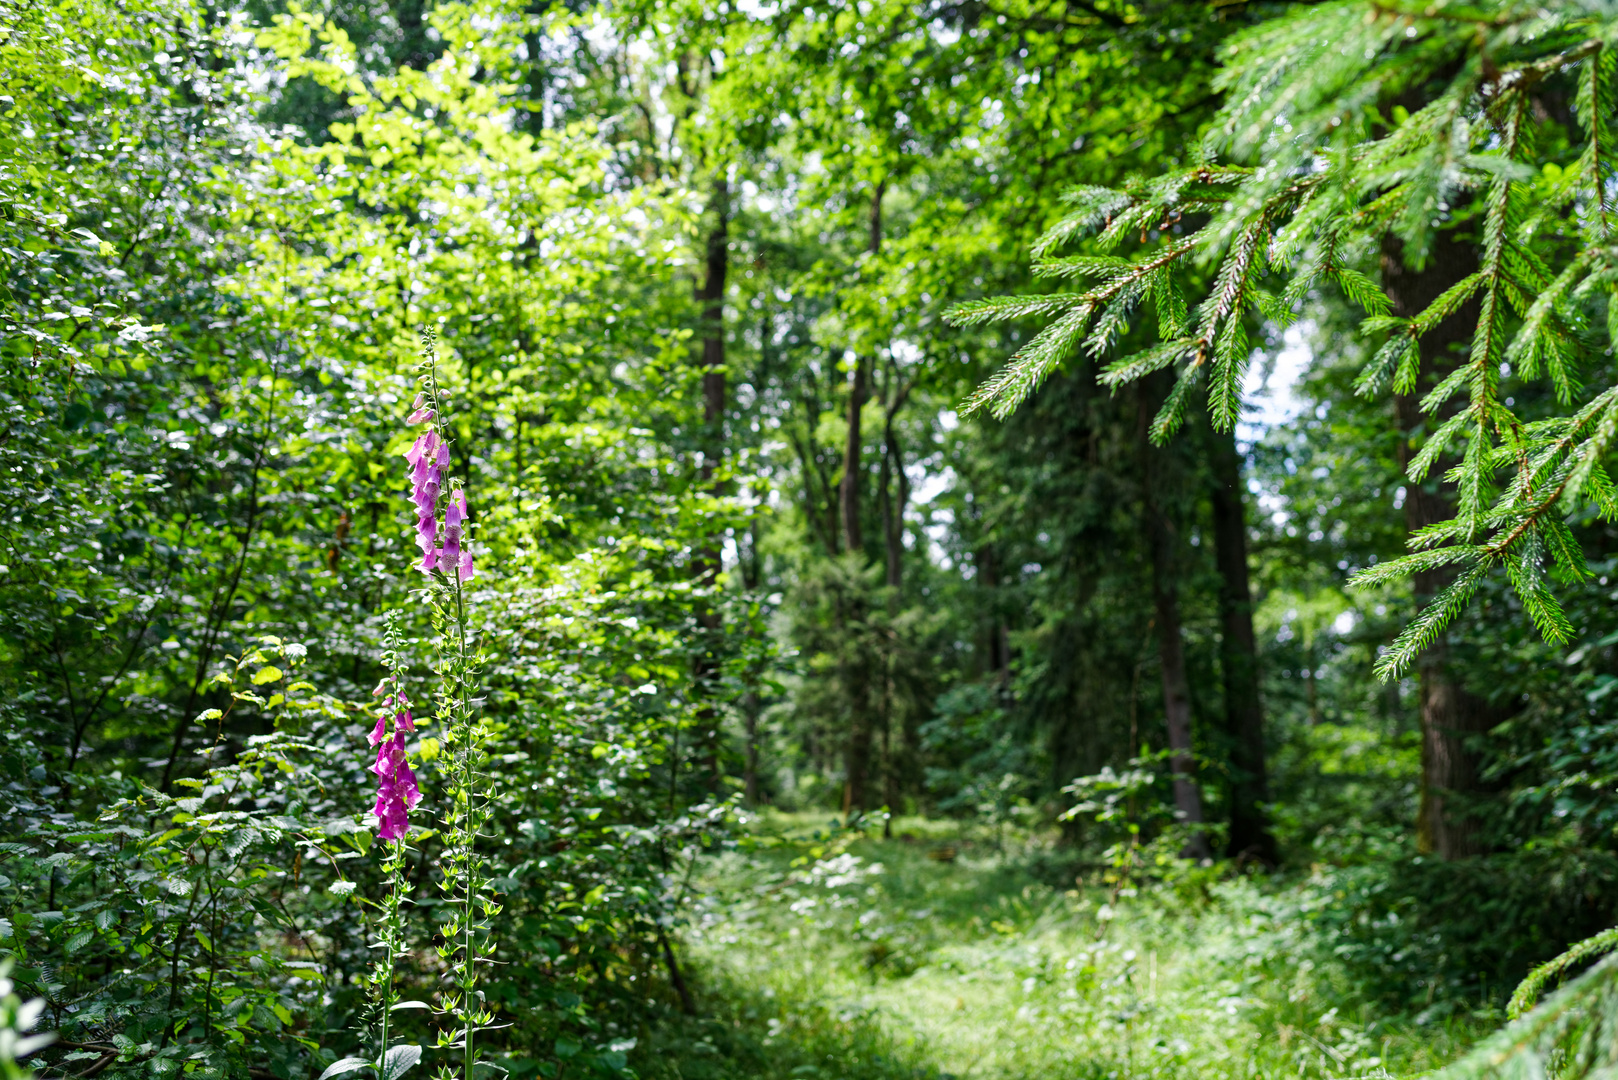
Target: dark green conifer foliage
[[1334, 178], [1346, 126]]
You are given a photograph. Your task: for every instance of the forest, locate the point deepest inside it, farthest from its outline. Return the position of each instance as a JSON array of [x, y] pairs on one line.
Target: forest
[[846, 539]]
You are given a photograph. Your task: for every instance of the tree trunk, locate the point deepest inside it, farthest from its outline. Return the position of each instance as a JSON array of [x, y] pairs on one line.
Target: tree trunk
[[711, 295], [1451, 716], [750, 711], [856, 765], [1161, 536], [849, 492], [857, 668], [997, 639], [752, 570], [893, 475], [1250, 836], [893, 509]]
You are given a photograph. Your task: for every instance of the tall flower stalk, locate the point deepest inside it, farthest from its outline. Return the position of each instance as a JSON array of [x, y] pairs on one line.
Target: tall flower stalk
[[447, 561], [397, 794]]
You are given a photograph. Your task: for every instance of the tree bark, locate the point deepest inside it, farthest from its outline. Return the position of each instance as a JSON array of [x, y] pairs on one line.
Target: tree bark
[[1451, 716], [752, 570], [1157, 486], [710, 293], [856, 664], [893, 475], [857, 668], [1250, 836], [997, 657], [750, 711], [849, 491]]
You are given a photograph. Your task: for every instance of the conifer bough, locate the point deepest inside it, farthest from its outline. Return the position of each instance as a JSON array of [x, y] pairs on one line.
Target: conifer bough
[[1309, 170]]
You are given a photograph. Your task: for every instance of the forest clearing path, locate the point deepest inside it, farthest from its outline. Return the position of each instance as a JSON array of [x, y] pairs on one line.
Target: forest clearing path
[[942, 953]]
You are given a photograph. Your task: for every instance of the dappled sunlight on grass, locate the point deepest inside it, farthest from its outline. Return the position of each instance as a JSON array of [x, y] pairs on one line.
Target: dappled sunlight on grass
[[945, 952]]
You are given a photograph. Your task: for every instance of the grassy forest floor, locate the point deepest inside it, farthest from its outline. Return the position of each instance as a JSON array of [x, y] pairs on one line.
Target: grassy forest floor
[[954, 952]]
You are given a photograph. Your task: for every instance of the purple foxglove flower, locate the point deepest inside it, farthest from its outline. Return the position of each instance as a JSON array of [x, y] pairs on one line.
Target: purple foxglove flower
[[404, 721], [425, 446], [391, 811], [465, 571], [405, 786], [455, 512], [379, 732], [389, 756], [420, 416], [426, 531], [397, 792], [450, 556], [429, 562]]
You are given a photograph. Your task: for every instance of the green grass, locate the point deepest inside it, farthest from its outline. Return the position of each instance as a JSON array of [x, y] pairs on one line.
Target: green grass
[[877, 961]]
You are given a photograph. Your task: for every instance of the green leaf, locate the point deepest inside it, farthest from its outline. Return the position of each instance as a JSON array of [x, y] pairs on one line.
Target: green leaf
[[399, 1060], [345, 1065]]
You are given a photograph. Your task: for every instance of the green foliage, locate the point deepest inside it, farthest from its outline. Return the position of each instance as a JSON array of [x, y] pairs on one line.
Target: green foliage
[[17, 1019], [224, 232], [1335, 176], [996, 963]]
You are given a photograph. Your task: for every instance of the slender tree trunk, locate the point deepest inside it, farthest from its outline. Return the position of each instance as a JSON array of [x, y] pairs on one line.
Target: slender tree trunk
[[752, 576], [849, 492], [997, 656], [711, 295], [893, 476], [856, 767], [1250, 835], [857, 669], [857, 673], [1157, 491], [688, 1004], [750, 711], [893, 509], [1451, 716]]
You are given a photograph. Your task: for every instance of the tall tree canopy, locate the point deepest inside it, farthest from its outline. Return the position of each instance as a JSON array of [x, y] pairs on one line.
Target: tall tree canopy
[[459, 460]]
